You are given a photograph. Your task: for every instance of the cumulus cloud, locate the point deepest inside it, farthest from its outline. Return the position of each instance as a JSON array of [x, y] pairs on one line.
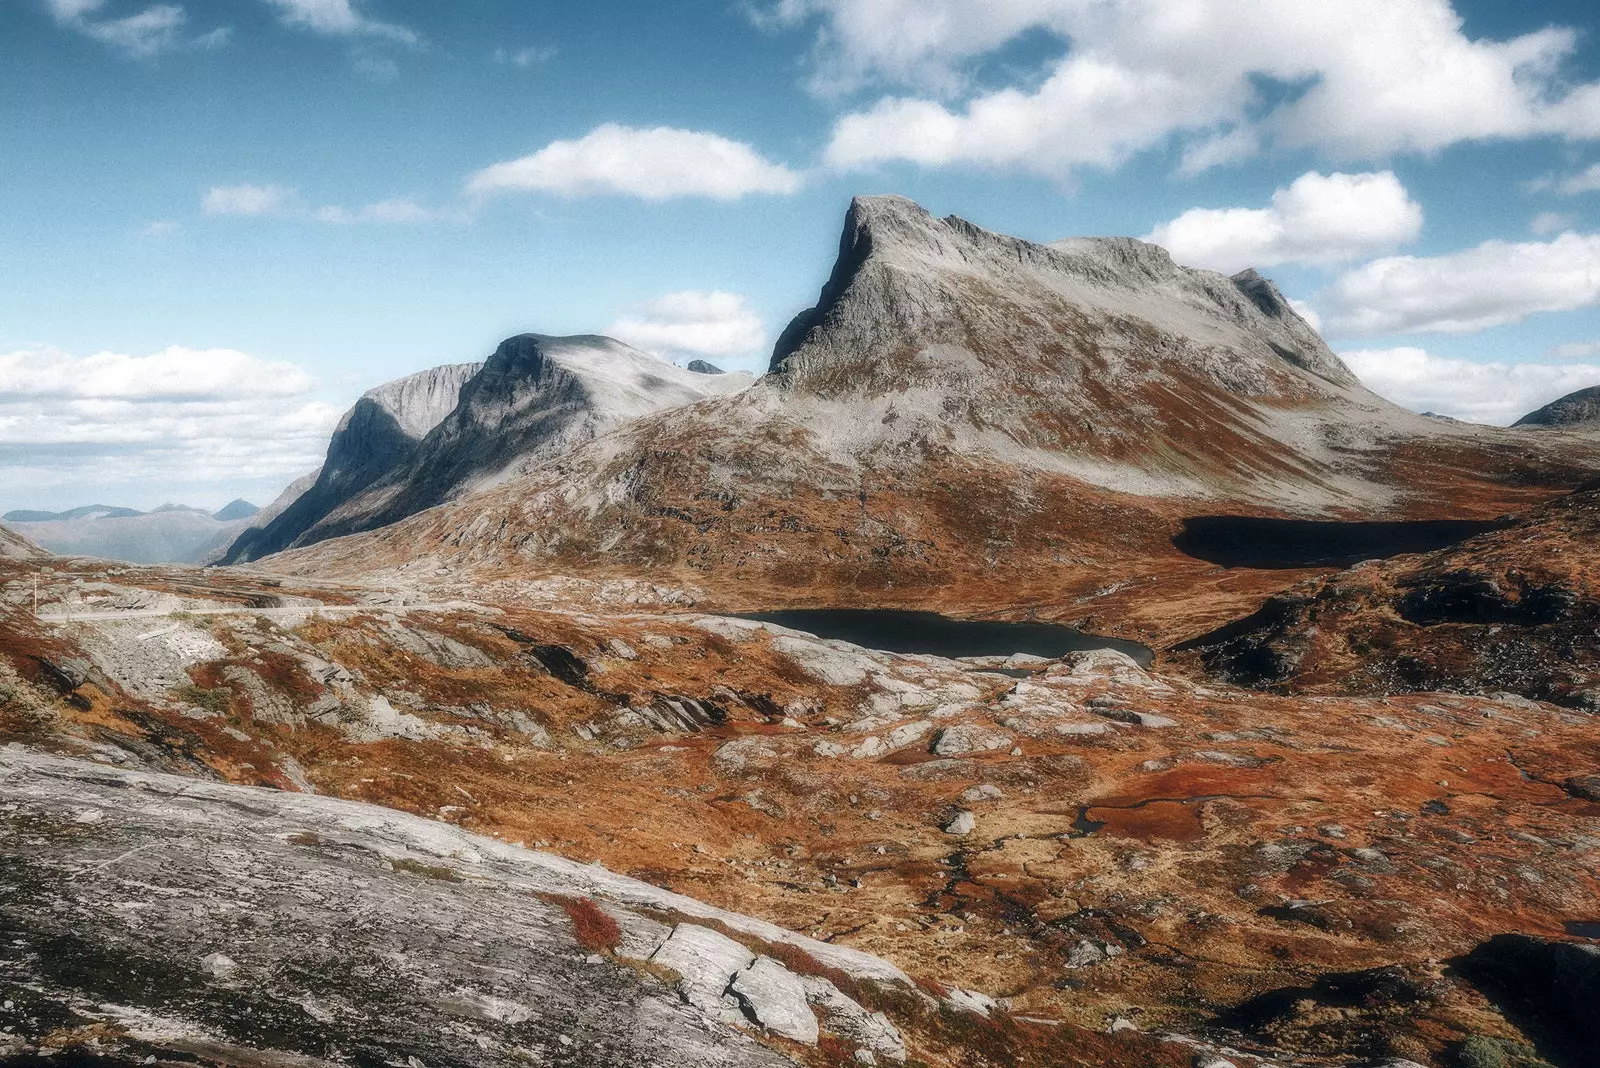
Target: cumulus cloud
[[1496, 393], [1366, 79], [179, 415], [693, 323], [1497, 282], [158, 28], [246, 200], [340, 18], [654, 164], [1318, 219]]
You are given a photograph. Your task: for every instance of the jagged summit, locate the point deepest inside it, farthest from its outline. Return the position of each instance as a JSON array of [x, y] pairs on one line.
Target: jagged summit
[[900, 271], [1577, 409], [429, 438]]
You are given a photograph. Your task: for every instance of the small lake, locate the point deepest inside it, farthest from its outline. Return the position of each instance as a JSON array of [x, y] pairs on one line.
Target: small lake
[[1249, 541], [896, 631]]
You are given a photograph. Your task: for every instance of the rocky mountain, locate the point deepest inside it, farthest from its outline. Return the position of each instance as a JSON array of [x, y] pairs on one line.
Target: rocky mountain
[[1578, 409], [171, 534], [1514, 610], [376, 437], [535, 397], [972, 420]]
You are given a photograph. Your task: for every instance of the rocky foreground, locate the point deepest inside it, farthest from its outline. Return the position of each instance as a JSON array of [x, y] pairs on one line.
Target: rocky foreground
[[1019, 862]]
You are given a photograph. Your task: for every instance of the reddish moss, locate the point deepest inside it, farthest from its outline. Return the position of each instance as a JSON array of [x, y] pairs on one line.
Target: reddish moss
[[597, 932]]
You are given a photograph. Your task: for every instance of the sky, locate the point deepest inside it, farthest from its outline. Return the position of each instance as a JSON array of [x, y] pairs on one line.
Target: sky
[[221, 222]]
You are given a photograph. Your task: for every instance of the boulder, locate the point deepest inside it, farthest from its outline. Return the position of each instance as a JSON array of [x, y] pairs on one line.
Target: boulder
[[775, 998]]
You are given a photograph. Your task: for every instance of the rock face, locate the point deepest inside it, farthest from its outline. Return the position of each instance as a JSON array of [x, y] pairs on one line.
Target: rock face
[[378, 435], [1578, 409], [146, 914], [961, 412], [1513, 610]]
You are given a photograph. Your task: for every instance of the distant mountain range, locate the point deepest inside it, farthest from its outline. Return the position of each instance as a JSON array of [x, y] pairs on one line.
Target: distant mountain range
[[171, 534]]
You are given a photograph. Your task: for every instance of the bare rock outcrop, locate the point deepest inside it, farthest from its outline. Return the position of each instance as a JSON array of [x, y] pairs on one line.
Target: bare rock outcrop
[[149, 915]]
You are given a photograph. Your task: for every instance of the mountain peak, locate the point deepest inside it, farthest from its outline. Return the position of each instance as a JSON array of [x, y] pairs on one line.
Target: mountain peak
[[1580, 408], [904, 277], [238, 508]]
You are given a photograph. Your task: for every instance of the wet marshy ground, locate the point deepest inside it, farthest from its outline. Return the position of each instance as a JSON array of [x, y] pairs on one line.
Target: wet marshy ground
[[1249, 541], [929, 633]]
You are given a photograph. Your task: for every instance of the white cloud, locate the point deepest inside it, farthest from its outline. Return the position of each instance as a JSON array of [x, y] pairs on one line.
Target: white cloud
[[277, 200], [1551, 222], [340, 18], [246, 200], [1497, 393], [1369, 78], [654, 164], [160, 228], [1318, 219], [693, 324], [393, 210], [156, 29], [177, 415], [1586, 181], [1497, 282], [531, 56]]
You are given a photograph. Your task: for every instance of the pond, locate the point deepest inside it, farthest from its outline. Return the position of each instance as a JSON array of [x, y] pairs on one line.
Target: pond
[[1249, 541], [897, 631]]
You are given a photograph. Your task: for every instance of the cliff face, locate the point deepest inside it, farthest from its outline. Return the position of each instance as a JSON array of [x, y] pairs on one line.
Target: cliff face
[[377, 435]]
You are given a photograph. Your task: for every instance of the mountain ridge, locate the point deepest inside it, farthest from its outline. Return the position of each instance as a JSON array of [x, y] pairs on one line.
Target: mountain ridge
[[967, 419]]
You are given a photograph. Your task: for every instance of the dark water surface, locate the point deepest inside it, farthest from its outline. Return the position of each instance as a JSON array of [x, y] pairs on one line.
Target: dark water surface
[[897, 631], [1248, 541]]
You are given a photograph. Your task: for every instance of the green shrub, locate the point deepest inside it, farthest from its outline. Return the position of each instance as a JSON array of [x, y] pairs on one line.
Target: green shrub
[[212, 700]]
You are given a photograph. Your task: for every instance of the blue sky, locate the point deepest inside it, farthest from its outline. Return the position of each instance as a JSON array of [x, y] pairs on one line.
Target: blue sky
[[221, 222]]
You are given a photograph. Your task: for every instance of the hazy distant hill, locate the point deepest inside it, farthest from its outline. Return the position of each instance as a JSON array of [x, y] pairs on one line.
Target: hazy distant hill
[[171, 534]]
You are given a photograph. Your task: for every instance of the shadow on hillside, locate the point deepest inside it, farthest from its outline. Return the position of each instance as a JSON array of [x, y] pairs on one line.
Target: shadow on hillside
[[1247, 541]]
